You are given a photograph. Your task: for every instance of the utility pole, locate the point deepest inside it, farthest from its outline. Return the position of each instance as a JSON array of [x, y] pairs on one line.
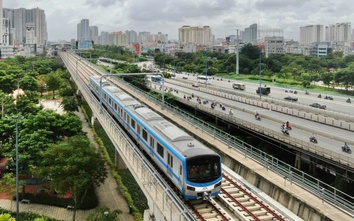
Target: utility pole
[[236, 46]]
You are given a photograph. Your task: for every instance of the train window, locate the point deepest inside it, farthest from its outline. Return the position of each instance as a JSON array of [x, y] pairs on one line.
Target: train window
[[180, 169], [160, 149], [145, 135], [105, 96], [110, 101], [115, 107], [121, 111], [152, 142], [132, 123]]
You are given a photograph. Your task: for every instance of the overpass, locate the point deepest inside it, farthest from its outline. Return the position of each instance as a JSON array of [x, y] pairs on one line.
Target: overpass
[[259, 172]]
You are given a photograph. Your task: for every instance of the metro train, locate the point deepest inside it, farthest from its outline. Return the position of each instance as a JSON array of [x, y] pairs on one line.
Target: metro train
[[194, 169]]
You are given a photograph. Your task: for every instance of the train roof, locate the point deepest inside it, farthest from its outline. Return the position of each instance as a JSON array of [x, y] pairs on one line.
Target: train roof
[[165, 131], [178, 139]]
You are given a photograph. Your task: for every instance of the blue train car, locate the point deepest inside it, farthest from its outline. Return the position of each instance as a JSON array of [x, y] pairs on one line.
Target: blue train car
[[192, 167]]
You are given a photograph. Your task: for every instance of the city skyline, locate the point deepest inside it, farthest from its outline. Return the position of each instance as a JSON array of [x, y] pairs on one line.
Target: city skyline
[[223, 16]]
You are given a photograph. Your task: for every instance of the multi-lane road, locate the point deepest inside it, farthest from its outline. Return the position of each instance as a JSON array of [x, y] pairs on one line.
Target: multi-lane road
[[329, 138]]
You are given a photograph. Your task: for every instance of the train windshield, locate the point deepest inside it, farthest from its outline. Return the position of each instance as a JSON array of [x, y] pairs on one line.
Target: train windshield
[[203, 169]]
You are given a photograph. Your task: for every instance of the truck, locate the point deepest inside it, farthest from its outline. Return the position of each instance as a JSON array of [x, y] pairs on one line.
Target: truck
[[264, 90]]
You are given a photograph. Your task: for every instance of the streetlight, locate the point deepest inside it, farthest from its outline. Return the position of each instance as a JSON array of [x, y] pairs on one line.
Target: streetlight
[[237, 64], [260, 72], [17, 118]]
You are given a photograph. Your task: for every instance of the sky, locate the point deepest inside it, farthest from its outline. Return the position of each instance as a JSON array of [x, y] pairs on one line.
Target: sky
[[224, 17]]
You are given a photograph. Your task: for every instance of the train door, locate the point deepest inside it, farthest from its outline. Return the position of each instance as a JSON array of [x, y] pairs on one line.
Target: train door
[[152, 146], [170, 164]]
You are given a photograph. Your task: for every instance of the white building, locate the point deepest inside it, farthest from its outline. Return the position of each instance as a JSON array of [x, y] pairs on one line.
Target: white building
[[274, 45], [195, 35], [340, 32], [311, 33], [18, 18], [93, 33], [132, 36], [83, 31]]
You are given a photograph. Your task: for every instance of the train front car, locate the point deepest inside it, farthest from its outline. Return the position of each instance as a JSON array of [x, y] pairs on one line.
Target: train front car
[[203, 174]]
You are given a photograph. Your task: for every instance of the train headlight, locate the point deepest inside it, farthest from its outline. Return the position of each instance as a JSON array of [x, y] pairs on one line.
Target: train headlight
[[190, 188], [218, 184]]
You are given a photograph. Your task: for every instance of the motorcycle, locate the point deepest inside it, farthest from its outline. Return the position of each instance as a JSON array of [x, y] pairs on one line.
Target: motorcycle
[[348, 100], [319, 96], [284, 129], [257, 116], [313, 139], [346, 148]]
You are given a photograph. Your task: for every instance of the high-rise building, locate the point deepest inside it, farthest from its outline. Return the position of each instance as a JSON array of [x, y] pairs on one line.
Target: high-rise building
[[94, 34], [144, 36], [18, 21], [83, 30], [117, 38], [159, 37], [250, 34], [195, 35], [339, 32], [132, 36], [104, 38], [1, 24], [311, 34]]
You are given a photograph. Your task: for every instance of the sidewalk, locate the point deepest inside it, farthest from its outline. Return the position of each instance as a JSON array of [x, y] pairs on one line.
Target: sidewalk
[[108, 193]]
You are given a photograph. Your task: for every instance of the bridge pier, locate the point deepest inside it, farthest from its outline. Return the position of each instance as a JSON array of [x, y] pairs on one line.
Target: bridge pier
[[298, 160], [93, 119], [119, 162]]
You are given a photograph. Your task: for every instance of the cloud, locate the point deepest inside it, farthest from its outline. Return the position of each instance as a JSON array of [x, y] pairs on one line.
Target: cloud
[[104, 3], [166, 16]]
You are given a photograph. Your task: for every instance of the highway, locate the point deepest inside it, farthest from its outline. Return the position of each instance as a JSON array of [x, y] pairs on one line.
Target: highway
[[329, 138], [186, 87]]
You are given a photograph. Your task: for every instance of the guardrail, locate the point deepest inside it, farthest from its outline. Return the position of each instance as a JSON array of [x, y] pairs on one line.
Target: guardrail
[[155, 187], [307, 182], [313, 185]]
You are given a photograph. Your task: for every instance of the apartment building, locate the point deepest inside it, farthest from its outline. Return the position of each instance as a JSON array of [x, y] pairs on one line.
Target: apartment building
[[195, 35]]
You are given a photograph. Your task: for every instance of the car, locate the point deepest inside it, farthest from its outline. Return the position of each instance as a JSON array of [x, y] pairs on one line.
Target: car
[[289, 98], [195, 85], [184, 77], [317, 105]]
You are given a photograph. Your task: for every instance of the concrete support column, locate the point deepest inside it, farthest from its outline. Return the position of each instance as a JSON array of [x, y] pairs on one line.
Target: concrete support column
[[298, 160], [119, 162], [93, 119]]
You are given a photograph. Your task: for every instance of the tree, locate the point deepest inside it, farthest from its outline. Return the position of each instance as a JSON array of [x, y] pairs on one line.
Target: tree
[[8, 185], [6, 217], [250, 51], [103, 213], [69, 104], [53, 81], [72, 166], [327, 78]]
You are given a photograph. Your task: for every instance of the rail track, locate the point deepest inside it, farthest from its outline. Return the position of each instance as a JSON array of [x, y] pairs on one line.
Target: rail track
[[234, 202]]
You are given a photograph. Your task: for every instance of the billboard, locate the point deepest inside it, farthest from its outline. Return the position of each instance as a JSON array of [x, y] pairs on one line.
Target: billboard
[[137, 49], [84, 45]]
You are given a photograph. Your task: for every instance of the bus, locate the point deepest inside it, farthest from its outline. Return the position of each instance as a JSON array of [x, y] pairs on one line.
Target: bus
[[203, 79], [156, 78], [239, 86]]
